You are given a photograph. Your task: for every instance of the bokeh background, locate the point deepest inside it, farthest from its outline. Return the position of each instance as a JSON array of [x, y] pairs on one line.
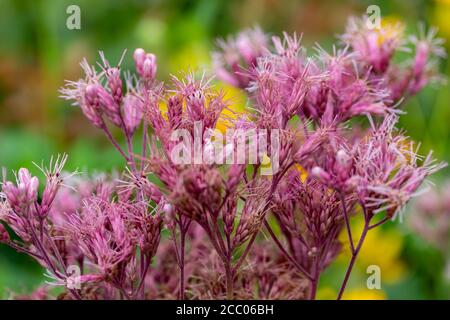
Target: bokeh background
[[37, 52]]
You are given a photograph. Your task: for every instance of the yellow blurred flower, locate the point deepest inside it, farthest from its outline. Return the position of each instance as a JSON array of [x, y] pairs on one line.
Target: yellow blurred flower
[[193, 56], [392, 28], [364, 294], [163, 109], [328, 293], [303, 173], [237, 100], [381, 248], [441, 17]]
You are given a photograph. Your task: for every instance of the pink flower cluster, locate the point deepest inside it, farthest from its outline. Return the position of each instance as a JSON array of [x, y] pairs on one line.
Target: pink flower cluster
[[194, 231]]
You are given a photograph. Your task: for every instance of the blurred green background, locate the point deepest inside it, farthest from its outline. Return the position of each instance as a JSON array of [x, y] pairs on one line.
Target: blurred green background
[[37, 52]]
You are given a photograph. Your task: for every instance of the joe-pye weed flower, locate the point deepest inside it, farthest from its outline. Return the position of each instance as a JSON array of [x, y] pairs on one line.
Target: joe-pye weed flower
[[213, 211]]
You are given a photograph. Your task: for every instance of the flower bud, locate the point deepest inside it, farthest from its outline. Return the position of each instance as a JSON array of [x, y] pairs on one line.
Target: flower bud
[[175, 111], [92, 115], [91, 104], [106, 100], [111, 107], [342, 165], [132, 112], [145, 64], [91, 95], [139, 56], [115, 83], [12, 194], [195, 103], [24, 175], [342, 158], [149, 67], [24, 193], [169, 216], [168, 209], [29, 185], [320, 174]]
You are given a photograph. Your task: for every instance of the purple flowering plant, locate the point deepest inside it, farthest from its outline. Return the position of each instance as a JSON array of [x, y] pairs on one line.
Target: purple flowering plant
[[170, 229]]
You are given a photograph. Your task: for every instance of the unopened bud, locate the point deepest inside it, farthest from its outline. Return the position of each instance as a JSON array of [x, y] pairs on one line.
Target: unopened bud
[[132, 112], [320, 174], [145, 64], [342, 158], [168, 209], [27, 184], [91, 95], [139, 55], [115, 83], [196, 105], [175, 111]]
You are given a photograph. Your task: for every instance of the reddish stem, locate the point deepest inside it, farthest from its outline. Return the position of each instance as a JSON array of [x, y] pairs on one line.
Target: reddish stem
[[353, 259], [347, 223]]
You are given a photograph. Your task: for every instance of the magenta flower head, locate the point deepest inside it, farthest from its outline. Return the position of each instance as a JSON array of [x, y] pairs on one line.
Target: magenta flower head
[[107, 103], [54, 179], [375, 46], [24, 192], [338, 172], [115, 83], [251, 44], [197, 188], [280, 82], [84, 93], [236, 58], [102, 237], [145, 64], [113, 78], [28, 184], [203, 105], [345, 91], [393, 195], [388, 169]]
